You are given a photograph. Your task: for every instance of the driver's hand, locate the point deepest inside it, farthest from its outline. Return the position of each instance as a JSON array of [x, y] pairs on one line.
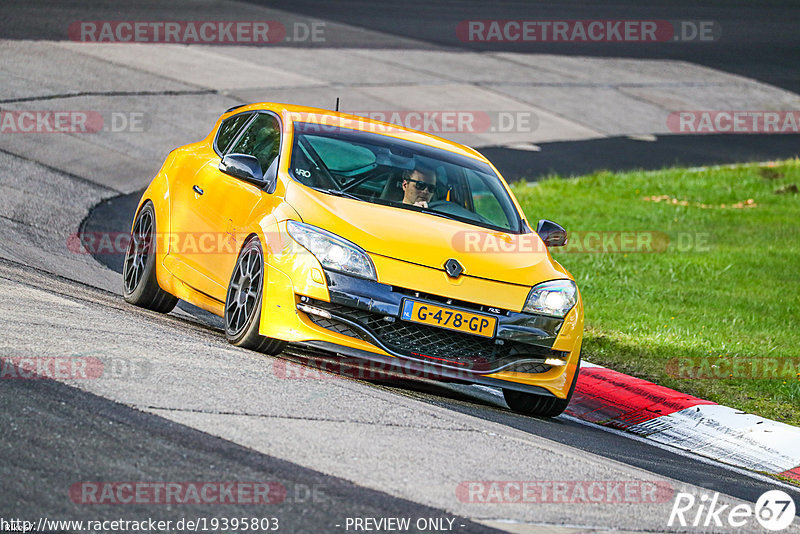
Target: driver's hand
[[421, 204]]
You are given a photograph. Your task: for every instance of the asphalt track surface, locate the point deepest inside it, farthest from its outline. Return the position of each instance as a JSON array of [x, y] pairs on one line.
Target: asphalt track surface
[[206, 411], [758, 41], [113, 216], [577, 158], [46, 449]]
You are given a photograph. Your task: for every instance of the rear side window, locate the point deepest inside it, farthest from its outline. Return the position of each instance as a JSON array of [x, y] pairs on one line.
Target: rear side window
[[261, 139], [228, 130]]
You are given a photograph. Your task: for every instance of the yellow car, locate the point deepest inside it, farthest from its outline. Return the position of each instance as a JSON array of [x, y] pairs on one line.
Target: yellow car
[[363, 239]]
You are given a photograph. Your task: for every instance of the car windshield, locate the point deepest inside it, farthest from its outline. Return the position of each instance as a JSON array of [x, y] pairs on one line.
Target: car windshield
[[395, 172]]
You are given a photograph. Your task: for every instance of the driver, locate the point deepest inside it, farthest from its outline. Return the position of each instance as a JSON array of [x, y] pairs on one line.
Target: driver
[[418, 186]]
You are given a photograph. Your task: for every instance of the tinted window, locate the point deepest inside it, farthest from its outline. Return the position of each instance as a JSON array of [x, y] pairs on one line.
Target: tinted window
[[387, 170], [228, 130], [486, 193], [261, 139]]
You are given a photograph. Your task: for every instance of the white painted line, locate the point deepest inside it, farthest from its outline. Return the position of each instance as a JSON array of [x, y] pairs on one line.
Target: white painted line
[[530, 147], [685, 454], [727, 435], [649, 138], [715, 435]]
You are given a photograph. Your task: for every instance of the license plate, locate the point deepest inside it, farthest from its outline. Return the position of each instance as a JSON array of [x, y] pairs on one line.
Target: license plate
[[461, 321]]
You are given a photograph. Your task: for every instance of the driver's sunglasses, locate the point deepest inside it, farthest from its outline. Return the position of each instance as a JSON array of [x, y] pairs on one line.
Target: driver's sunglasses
[[422, 186]]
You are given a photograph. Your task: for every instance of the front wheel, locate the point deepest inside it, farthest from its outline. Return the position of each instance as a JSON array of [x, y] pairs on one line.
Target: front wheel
[[539, 405], [140, 286], [243, 302]]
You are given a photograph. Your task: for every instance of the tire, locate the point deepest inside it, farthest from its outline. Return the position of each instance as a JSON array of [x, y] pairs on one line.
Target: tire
[[139, 284], [539, 405], [243, 302]]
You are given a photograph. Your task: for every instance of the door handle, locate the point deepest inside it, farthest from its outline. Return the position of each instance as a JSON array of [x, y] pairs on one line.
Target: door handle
[[197, 189]]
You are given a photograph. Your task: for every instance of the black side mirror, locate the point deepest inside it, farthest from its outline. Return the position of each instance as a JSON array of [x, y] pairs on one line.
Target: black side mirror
[[243, 167], [551, 233]]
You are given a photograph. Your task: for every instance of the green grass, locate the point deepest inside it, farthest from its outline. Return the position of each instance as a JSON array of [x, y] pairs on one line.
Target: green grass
[[733, 295]]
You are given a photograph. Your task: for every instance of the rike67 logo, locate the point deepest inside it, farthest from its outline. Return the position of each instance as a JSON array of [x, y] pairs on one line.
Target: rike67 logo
[[774, 510]]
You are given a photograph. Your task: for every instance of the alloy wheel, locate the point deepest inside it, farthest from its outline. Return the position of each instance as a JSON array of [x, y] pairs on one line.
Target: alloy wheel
[[243, 294], [138, 251]]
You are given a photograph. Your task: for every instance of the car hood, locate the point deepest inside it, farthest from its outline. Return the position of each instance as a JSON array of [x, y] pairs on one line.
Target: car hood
[[426, 239]]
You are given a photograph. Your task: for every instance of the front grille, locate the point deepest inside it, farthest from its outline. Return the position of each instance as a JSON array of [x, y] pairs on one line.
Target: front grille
[[335, 325], [428, 343]]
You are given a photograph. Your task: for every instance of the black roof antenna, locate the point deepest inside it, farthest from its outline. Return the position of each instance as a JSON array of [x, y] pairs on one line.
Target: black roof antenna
[[337, 103]]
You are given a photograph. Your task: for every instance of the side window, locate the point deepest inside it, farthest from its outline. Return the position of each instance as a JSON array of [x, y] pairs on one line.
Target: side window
[[262, 139], [485, 202], [228, 130]]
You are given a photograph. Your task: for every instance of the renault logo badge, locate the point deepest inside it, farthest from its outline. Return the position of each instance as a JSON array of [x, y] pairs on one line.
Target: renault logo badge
[[453, 268]]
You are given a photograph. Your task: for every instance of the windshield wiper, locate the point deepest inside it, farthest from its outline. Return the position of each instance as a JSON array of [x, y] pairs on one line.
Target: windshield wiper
[[339, 193], [439, 214]]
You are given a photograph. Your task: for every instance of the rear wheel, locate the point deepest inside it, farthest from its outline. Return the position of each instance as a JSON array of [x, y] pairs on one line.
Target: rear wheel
[[539, 405], [243, 302], [140, 286]]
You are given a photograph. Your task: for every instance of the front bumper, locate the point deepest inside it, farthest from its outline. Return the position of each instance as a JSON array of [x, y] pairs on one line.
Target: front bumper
[[371, 311], [361, 318]]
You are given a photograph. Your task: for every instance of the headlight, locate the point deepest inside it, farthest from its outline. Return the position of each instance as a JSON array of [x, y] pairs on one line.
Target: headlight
[[332, 251], [555, 298]]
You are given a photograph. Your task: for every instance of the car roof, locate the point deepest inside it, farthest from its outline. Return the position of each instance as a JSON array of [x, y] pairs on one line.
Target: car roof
[[357, 122]]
